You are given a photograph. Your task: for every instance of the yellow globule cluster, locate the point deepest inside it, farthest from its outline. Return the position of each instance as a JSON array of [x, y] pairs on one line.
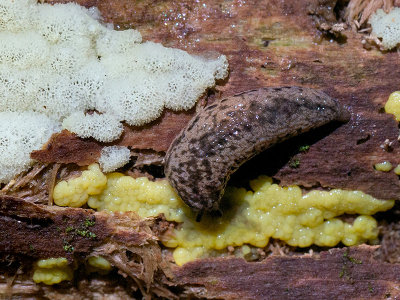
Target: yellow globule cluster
[[52, 270], [384, 166], [98, 264], [392, 106], [147, 198], [397, 170], [250, 217], [75, 192]]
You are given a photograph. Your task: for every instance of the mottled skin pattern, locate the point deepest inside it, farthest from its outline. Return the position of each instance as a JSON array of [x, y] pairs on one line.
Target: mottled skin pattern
[[223, 136]]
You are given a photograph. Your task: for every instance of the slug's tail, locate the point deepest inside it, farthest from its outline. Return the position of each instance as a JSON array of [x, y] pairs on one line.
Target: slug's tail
[[343, 114]]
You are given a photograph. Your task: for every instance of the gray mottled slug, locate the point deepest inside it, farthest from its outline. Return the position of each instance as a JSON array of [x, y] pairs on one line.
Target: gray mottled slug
[[223, 136]]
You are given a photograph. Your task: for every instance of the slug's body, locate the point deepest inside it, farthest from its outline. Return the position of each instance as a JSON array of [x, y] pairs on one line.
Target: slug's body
[[223, 136]]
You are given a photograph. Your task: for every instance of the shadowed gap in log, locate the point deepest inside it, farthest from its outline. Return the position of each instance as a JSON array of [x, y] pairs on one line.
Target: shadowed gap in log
[[288, 152]]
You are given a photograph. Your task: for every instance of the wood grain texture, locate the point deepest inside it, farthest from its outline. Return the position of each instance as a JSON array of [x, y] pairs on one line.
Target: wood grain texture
[[334, 274], [271, 43], [30, 231], [34, 231], [268, 43], [66, 147]]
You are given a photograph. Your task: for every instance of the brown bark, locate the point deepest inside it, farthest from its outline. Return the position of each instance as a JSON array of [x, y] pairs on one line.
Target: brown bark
[[347, 273], [65, 148], [268, 43], [40, 231], [31, 231]]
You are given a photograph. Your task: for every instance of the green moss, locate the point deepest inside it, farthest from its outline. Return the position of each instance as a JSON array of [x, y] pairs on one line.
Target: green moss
[[214, 281], [68, 247], [294, 163], [85, 233], [351, 259], [343, 272], [304, 148], [90, 223], [346, 260], [83, 229], [370, 288]]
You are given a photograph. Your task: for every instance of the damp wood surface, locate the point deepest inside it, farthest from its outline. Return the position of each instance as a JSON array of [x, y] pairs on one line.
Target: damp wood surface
[[33, 231], [275, 43], [30, 232], [268, 43], [334, 274], [42, 231]]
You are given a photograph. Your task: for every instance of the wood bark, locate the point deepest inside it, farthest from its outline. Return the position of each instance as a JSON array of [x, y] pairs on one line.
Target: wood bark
[[275, 43], [268, 43]]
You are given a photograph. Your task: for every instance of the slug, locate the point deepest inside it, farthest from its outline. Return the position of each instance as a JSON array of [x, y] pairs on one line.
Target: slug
[[224, 135]]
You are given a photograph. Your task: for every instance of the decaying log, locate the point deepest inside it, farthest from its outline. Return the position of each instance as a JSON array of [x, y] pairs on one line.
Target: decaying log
[[347, 273], [33, 231], [39, 231], [157, 135], [268, 43], [65, 148]]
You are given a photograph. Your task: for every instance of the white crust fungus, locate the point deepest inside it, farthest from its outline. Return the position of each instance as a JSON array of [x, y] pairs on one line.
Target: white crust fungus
[[104, 128], [386, 26], [114, 157], [58, 61], [21, 133]]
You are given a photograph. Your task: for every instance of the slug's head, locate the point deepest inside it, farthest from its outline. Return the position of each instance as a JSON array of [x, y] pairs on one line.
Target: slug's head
[[200, 204]]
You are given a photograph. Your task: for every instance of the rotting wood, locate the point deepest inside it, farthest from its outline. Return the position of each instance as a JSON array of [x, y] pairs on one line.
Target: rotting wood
[[273, 43]]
